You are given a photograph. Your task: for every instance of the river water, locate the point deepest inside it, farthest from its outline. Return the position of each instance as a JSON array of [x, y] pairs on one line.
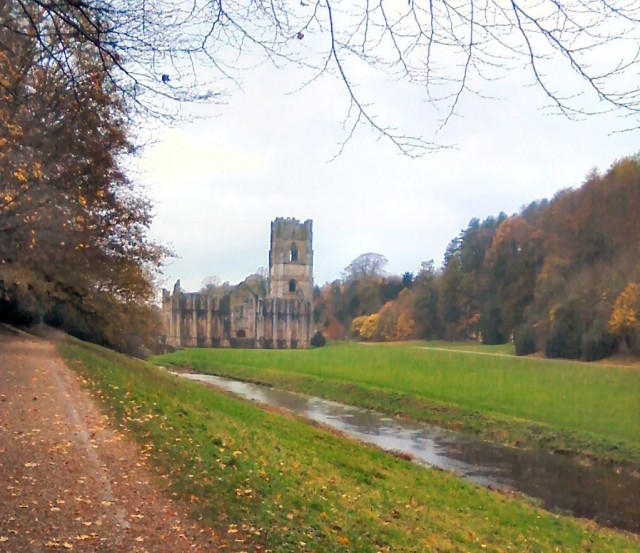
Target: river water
[[562, 484]]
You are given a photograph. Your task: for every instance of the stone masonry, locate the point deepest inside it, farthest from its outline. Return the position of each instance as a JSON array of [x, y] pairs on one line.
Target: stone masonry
[[245, 317]]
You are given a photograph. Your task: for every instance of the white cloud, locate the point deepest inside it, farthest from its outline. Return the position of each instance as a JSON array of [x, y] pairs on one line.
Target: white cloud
[[191, 154], [219, 182]]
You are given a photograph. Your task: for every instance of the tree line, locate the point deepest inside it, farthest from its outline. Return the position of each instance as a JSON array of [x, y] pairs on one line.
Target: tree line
[[74, 244], [561, 276], [74, 250]]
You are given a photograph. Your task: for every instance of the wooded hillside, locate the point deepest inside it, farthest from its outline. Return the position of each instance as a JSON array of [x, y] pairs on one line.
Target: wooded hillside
[[561, 276]]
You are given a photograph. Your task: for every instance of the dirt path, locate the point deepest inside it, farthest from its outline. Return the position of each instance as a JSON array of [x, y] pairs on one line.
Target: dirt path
[[68, 481], [452, 350]]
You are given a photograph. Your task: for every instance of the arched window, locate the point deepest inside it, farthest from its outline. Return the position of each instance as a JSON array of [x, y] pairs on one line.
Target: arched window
[[293, 254], [292, 285]]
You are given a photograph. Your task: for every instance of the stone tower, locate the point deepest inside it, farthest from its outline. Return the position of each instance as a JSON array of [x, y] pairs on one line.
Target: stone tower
[[243, 317], [291, 260]]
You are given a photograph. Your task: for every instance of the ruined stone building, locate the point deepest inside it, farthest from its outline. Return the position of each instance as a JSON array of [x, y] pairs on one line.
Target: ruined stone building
[[278, 315]]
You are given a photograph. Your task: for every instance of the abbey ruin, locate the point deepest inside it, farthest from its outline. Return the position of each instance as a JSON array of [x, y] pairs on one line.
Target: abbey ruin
[[251, 316]]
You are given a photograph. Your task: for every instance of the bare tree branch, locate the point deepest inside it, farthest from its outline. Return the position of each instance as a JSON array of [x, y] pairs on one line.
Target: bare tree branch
[[161, 52]]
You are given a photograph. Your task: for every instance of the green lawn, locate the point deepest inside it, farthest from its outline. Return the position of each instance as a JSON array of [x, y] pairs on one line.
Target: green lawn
[[267, 480], [590, 408]]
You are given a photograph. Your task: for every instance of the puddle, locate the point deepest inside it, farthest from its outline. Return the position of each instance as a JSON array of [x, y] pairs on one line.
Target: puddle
[[563, 485]]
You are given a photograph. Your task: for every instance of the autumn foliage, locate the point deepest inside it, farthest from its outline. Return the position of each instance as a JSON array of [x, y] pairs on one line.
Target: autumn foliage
[[74, 250], [561, 276], [623, 323]]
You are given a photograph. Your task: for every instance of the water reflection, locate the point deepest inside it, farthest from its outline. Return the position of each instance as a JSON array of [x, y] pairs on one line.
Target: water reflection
[[563, 484]]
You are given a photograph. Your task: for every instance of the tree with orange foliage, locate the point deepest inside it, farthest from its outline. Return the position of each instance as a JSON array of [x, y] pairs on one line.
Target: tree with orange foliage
[[623, 323], [369, 329], [388, 320], [334, 330], [405, 327], [74, 248], [357, 324]]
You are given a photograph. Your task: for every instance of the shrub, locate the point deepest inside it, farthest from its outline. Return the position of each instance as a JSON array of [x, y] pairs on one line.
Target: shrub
[[625, 312], [525, 340], [633, 340], [597, 343], [369, 330], [405, 327], [334, 330], [356, 325], [490, 326], [318, 340], [565, 337]]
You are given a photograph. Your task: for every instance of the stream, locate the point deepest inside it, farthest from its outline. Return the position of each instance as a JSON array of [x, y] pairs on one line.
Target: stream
[[561, 483]]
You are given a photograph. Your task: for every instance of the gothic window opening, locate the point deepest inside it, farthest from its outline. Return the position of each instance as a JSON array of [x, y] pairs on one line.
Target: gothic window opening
[[292, 285], [293, 254]]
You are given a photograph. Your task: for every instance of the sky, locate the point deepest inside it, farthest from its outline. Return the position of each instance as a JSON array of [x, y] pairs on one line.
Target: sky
[[217, 181]]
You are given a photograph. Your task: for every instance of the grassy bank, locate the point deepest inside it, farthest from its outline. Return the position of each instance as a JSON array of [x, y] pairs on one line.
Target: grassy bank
[[271, 481], [563, 406]]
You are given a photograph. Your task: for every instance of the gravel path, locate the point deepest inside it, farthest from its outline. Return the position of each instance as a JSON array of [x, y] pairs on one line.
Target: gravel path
[[68, 480]]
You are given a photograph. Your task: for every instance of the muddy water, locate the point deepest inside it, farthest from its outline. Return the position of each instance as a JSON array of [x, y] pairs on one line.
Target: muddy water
[[560, 483]]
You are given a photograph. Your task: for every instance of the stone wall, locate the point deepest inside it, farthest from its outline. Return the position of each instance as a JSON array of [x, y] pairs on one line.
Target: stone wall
[[199, 320], [244, 318]]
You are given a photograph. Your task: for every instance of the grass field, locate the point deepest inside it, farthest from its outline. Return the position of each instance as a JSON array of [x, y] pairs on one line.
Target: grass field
[[266, 480], [587, 408], [500, 349]]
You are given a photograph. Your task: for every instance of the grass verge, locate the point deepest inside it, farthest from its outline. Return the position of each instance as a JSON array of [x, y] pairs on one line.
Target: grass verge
[[569, 407], [267, 481]]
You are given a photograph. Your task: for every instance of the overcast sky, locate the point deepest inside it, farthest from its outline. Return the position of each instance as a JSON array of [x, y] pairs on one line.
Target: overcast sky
[[219, 181]]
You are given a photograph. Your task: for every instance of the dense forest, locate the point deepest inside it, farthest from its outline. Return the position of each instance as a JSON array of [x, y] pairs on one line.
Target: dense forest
[[562, 276]]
